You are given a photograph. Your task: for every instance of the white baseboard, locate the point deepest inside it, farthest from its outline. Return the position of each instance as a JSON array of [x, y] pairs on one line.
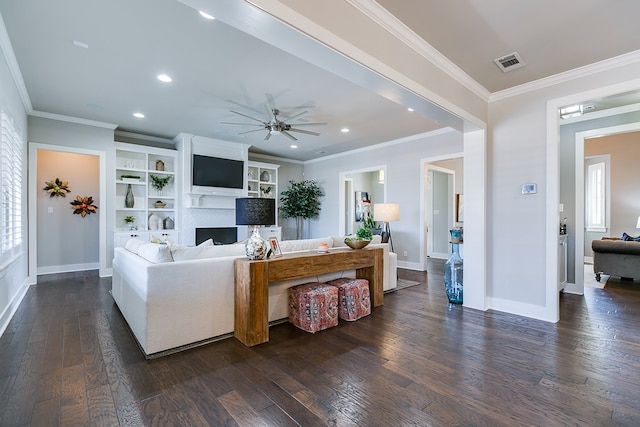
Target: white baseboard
[[588, 260], [13, 305], [69, 268], [409, 265], [572, 288], [522, 309], [105, 272]]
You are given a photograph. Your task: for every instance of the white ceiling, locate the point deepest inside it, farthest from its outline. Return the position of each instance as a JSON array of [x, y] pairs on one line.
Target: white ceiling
[[216, 67]]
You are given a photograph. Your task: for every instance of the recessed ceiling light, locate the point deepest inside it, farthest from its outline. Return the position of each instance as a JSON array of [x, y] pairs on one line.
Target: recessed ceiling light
[[164, 78], [410, 109], [293, 146], [138, 115], [205, 15], [344, 130], [80, 44]]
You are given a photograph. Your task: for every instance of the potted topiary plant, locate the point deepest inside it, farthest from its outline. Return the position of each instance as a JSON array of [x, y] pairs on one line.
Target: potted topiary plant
[[301, 201], [159, 182], [129, 220]]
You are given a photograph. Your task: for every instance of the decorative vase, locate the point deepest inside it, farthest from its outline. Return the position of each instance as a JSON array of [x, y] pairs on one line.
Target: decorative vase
[[155, 223], [168, 223], [256, 247], [453, 270], [264, 176], [129, 201]]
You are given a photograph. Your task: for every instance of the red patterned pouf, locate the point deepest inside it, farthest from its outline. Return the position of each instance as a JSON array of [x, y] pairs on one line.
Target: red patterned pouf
[[313, 306], [355, 300]]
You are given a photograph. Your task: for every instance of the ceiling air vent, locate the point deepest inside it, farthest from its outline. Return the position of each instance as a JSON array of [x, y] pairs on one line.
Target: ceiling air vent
[[510, 62]]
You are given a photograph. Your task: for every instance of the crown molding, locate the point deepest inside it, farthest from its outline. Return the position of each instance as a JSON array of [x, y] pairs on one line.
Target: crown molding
[[564, 77], [397, 28], [403, 140], [14, 69], [69, 119]]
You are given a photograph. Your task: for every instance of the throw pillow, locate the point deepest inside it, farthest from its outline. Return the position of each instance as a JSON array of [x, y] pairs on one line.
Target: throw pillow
[[133, 245], [628, 238], [208, 242], [155, 253]]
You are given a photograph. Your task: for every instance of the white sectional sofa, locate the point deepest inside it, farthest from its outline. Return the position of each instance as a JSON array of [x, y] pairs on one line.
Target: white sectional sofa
[[175, 297]]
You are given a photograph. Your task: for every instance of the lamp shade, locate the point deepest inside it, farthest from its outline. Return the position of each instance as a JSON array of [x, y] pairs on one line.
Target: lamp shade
[[255, 211], [638, 224], [386, 212]]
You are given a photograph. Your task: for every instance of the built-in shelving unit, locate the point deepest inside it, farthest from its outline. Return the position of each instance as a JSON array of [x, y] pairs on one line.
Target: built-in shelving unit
[[135, 165], [262, 181]]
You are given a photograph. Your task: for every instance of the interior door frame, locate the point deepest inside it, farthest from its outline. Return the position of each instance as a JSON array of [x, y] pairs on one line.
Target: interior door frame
[[342, 178], [34, 186], [429, 210]]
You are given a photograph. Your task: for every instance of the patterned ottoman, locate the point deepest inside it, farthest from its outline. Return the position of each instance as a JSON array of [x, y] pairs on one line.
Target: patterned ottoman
[[355, 301], [313, 306]]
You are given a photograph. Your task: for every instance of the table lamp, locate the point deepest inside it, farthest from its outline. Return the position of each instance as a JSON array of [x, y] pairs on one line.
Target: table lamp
[[638, 224], [386, 212], [255, 212]]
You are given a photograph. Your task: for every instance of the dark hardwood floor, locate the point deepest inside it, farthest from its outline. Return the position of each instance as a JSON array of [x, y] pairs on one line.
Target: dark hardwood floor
[[67, 358]]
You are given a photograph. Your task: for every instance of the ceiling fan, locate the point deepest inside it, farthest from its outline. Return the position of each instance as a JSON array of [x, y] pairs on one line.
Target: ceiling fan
[[274, 126]]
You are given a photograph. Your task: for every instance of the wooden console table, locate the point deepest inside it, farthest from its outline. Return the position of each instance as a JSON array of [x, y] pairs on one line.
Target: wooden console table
[[252, 280]]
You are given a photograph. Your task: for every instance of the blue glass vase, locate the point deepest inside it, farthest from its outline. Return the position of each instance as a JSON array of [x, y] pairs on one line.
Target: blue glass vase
[[453, 270]]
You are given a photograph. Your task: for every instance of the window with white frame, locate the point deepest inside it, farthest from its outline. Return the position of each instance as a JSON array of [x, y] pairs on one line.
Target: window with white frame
[[596, 197], [10, 188]]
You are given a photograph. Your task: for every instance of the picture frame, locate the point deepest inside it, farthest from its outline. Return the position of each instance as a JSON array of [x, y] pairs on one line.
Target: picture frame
[[275, 246], [459, 207]]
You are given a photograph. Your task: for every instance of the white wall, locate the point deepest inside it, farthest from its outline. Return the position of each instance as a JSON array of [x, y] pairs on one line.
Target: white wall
[[13, 277]]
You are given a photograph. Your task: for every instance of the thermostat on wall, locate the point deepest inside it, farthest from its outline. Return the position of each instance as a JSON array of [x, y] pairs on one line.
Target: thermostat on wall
[[529, 189]]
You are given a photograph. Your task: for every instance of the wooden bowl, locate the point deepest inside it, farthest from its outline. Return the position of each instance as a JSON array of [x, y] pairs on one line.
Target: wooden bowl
[[356, 244]]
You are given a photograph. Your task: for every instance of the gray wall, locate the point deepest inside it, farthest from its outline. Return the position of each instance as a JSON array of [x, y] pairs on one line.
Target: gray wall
[[403, 180], [568, 172], [64, 240]]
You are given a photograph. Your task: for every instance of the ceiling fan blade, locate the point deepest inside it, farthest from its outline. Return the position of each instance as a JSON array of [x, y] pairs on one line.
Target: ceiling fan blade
[[269, 113], [249, 131], [242, 124], [266, 138], [288, 135], [303, 131], [307, 124], [248, 117], [296, 116]]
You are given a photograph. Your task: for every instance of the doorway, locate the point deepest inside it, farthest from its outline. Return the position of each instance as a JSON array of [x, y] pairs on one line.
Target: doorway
[[358, 181], [60, 241], [439, 210]]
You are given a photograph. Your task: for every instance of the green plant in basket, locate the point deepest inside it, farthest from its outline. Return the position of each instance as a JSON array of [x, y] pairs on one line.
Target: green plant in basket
[[364, 234]]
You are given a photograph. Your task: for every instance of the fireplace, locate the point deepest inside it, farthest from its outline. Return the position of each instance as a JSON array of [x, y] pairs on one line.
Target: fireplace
[[220, 235]]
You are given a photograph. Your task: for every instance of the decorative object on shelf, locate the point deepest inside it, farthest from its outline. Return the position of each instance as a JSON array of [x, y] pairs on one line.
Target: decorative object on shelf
[[250, 173], [129, 200], [129, 220], [275, 246], [255, 212], [386, 212], [56, 188], [266, 191], [301, 201], [160, 204], [453, 269], [130, 178], [264, 176], [155, 222], [159, 182], [83, 206], [130, 164], [168, 223], [159, 165]]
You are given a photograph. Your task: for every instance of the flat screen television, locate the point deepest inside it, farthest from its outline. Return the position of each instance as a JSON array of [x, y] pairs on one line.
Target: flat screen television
[[213, 175]]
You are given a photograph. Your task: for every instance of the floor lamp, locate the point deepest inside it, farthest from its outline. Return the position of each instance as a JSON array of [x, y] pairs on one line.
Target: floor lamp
[[386, 212]]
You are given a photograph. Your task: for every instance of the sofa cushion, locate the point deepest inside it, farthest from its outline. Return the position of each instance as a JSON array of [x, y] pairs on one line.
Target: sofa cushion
[[203, 252], [155, 253], [133, 245], [304, 244]]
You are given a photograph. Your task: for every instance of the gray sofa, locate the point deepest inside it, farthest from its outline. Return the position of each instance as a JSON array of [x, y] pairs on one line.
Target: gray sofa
[[615, 257]]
